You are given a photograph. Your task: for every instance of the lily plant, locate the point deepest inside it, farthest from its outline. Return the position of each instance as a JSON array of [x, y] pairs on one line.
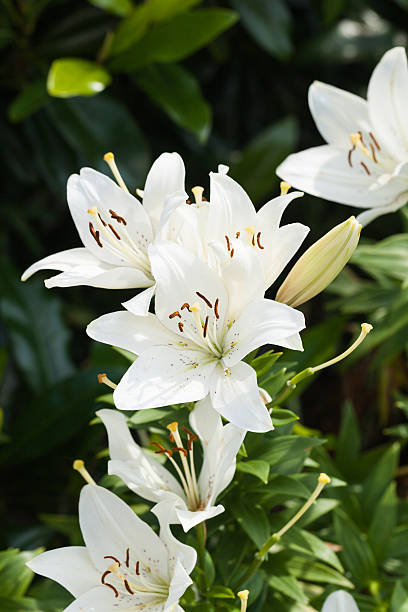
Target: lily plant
[[365, 160], [124, 564], [195, 343], [340, 601], [193, 497]]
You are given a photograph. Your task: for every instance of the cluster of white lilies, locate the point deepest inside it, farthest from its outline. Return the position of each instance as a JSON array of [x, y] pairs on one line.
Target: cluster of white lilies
[[207, 263]]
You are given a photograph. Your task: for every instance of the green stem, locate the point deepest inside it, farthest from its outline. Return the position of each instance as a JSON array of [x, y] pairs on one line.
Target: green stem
[[287, 391], [201, 531]]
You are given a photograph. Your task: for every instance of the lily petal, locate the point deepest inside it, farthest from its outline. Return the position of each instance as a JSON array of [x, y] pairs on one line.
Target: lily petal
[[387, 102], [164, 375], [98, 599], [337, 113], [189, 519], [262, 322], [131, 332], [233, 209], [340, 601], [140, 304], [70, 566], [324, 172], [177, 550], [110, 527], [235, 395], [165, 177]]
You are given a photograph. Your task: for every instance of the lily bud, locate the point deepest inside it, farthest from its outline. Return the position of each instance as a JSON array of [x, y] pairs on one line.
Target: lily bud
[[320, 264]]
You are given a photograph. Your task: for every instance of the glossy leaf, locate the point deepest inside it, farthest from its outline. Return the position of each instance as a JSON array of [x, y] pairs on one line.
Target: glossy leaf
[[256, 467], [70, 77]]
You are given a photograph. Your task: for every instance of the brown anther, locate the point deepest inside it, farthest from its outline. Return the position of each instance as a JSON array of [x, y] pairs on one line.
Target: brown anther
[[101, 220], [361, 138], [374, 141], [95, 234], [228, 243], [205, 327], [114, 231], [127, 587], [186, 305], [114, 558], [353, 148], [107, 583], [203, 199], [180, 450], [101, 378], [232, 253], [237, 235], [181, 326], [207, 301], [253, 239], [365, 167], [117, 217], [137, 570], [258, 240], [191, 437], [216, 308], [127, 558], [174, 314], [373, 153], [162, 449], [188, 201]]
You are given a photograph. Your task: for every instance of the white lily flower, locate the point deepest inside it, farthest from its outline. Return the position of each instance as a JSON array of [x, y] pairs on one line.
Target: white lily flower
[[194, 497], [365, 162], [234, 220], [340, 601], [124, 565], [115, 228], [194, 345]]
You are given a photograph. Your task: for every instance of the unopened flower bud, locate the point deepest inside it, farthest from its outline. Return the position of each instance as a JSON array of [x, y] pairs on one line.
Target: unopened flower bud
[[320, 264]]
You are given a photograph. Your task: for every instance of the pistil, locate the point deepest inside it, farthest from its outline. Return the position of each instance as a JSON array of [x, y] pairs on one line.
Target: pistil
[[79, 466], [110, 160]]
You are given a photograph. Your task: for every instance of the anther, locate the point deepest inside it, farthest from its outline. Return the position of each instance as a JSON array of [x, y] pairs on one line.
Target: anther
[[79, 466], [361, 138], [117, 217], [237, 235], [174, 314], [127, 587], [127, 558], [253, 240], [191, 437], [162, 449], [95, 234], [114, 231], [113, 559], [101, 220], [137, 570], [284, 187], [180, 449], [181, 326], [188, 201], [216, 308], [232, 253], [103, 379], [374, 141], [365, 168], [205, 327], [324, 478], [207, 301], [228, 243], [110, 160], [258, 240], [353, 148], [373, 153], [107, 583], [186, 305]]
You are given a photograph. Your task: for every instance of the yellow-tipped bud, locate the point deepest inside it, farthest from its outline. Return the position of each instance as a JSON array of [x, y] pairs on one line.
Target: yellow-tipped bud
[[284, 187], [324, 478], [320, 264]]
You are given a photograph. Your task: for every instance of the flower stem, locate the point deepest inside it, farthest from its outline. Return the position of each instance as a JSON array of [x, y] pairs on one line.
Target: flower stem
[[201, 531]]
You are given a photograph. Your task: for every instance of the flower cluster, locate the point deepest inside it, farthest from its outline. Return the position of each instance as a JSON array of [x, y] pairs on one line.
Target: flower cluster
[[206, 264]]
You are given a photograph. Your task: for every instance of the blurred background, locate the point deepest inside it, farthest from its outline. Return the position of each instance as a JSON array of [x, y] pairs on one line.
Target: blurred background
[[218, 82]]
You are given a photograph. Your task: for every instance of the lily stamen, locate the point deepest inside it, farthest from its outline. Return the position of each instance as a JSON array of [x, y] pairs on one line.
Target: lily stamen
[[206, 300], [103, 379], [189, 471], [110, 160], [79, 466]]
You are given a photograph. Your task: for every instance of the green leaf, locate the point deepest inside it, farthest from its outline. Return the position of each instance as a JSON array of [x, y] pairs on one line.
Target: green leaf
[[141, 417], [256, 467], [37, 334], [388, 257], [32, 98], [269, 23], [304, 569], [255, 170], [349, 441], [379, 478], [253, 521], [263, 363], [281, 416], [289, 586], [220, 592], [178, 93], [175, 39], [70, 77], [306, 542], [15, 576], [121, 8], [284, 453], [383, 523], [19, 604], [356, 553], [399, 599]]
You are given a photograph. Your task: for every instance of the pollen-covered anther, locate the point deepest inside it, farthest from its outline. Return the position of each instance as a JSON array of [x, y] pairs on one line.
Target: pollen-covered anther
[[95, 234], [206, 300], [162, 450], [284, 187], [175, 314], [232, 253], [114, 232], [117, 217], [107, 583], [186, 305]]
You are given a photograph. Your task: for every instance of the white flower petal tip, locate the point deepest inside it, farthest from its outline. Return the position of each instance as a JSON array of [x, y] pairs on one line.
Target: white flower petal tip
[[320, 264], [340, 601], [367, 142]]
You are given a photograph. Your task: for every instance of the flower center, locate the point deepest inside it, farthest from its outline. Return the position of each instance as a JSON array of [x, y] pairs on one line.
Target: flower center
[[253, 238], [373, 157], [186, 472], [133, 577], [113, 235]]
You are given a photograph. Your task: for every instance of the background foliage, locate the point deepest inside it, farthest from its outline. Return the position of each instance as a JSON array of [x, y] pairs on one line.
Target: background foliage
[[218, 82]]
